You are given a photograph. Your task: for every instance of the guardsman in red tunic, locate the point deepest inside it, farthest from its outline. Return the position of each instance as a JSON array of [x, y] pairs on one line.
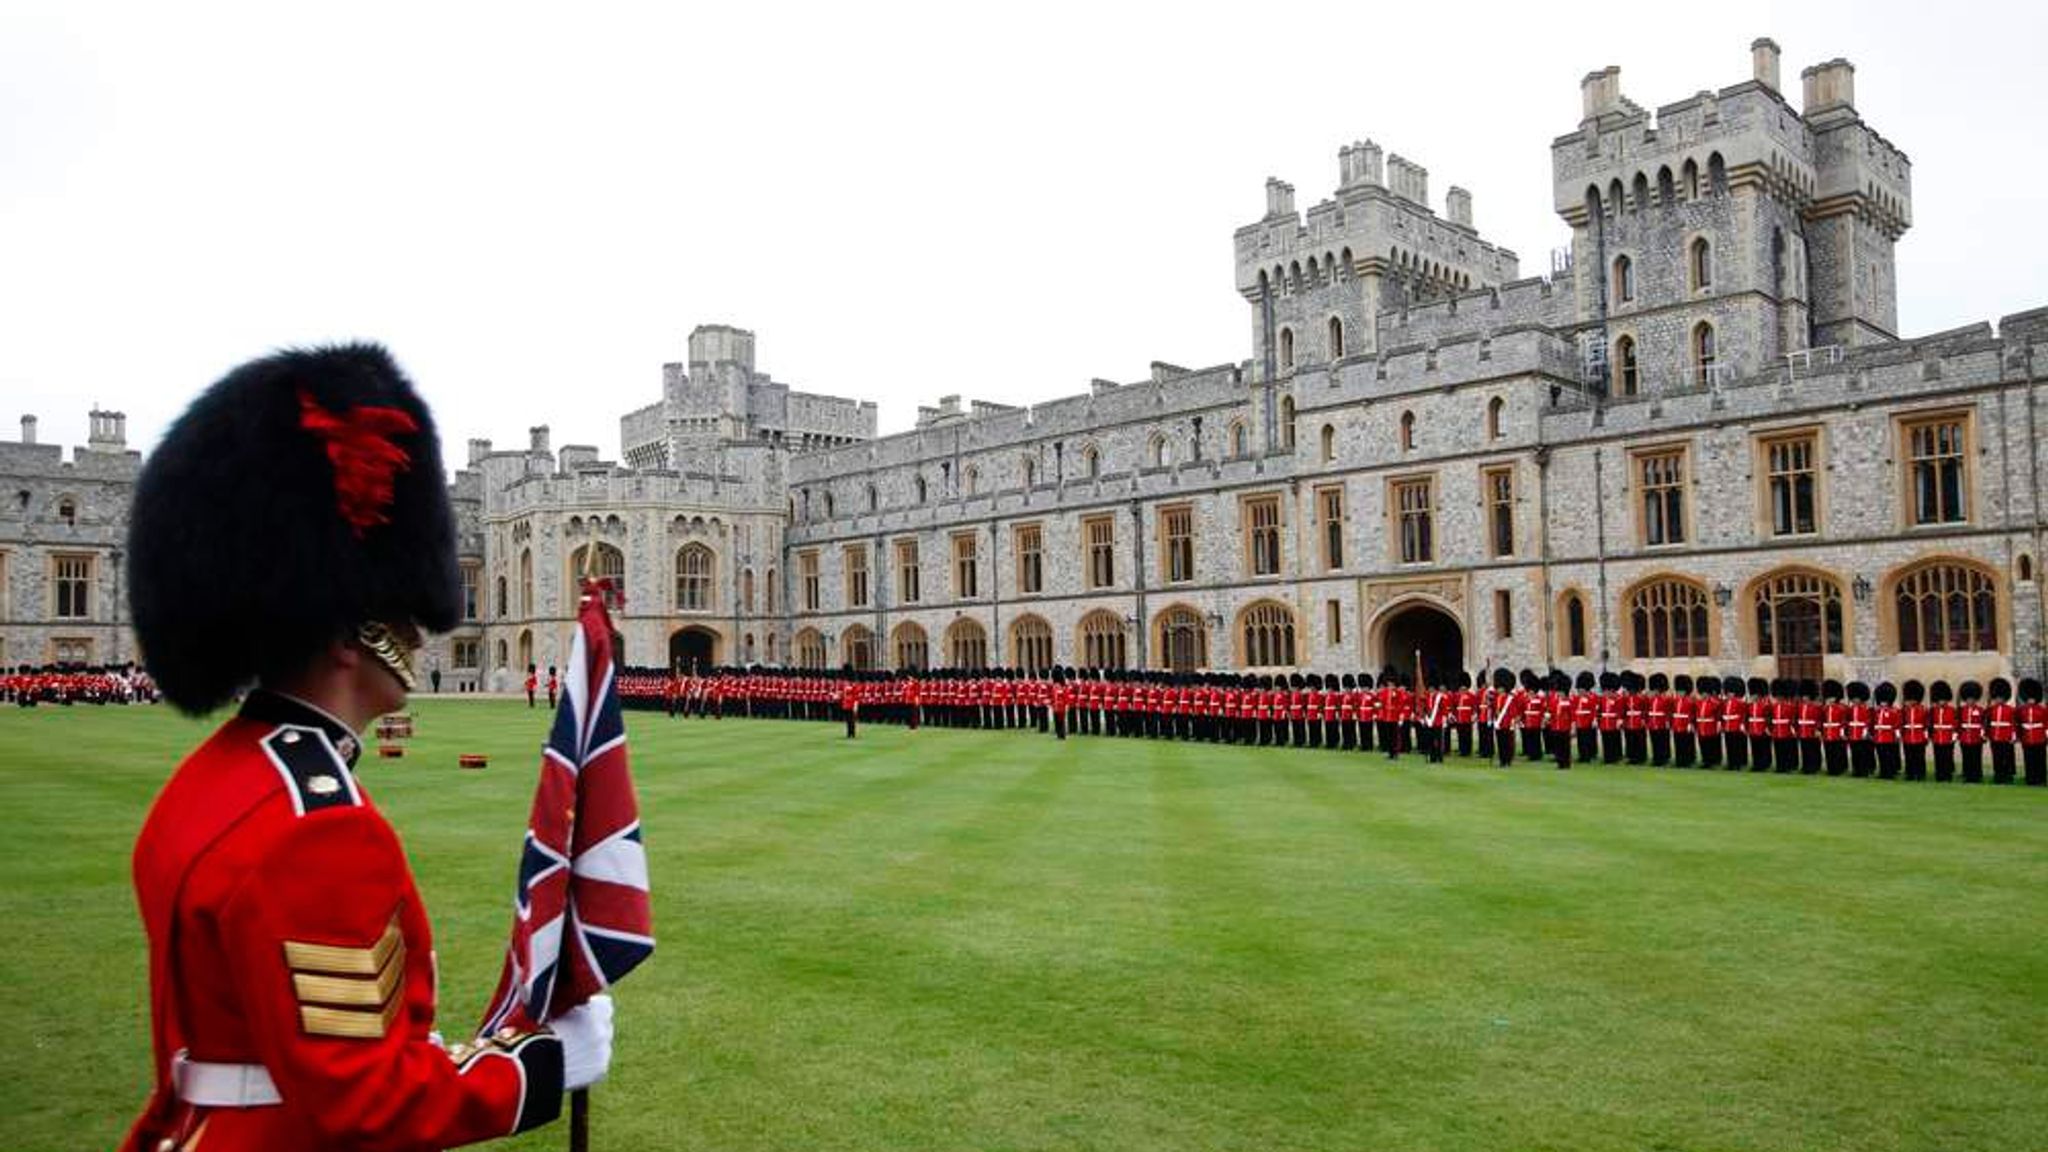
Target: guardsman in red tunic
[[292, 532], [1558, 720], [1464, 707], [2033, 721], [1913, 730], [849, 700], [1635, 718], [2001, 728], [1707, 721], [1612, 703], [1734, 723], [1586, 717], [1941, 726], [1684, 711], [1784, 725], [1834, 728], [1806, 727], [1368, 711], [1970, 724], [1535, 714], [532, 683], [1862, 719], [1508, 701], [1887, 731], [1762, 709]]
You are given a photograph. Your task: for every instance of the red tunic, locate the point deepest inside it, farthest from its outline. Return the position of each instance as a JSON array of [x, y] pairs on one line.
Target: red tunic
[[285, 933], [1884, 726], [2033, 724], [1970, 725], [1944, 724]]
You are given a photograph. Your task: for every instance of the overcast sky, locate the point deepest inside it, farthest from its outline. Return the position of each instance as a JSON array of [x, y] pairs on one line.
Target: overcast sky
[[534, 204]]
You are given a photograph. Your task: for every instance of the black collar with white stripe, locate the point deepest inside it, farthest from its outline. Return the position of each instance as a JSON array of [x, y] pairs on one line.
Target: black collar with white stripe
[[267, 707]]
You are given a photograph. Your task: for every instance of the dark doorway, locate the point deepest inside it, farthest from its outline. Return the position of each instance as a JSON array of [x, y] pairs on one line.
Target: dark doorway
[[693, 649], [1431, 633]]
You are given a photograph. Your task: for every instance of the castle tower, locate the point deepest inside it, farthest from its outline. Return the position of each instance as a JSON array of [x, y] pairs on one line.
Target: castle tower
[[1729, 230], [1317, 286]]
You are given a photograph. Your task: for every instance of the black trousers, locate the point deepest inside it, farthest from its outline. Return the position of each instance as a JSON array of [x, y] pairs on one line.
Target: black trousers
[[1633, 744], [1532, 743], [1786, 751], [1836, 755], [1504, 747], [1610, 745], [1862, 759], [1944, 763], [1561, 749], [1390, 739], [1465, 739], [1973, 763], [1888, 761], [1589, 744], [1365, 728], [1760, 753], [1915, 756], [1660, 747], [1682, 749], [852, 719], [2001, 763], [2034, 759], [1809, 755], [1735, 750]]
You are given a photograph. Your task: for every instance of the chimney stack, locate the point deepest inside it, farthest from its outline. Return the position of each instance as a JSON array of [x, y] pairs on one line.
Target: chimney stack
[[1763, 56], [1829, 85], [1372, 165], [478, 449], [108, 431], [1601, 92], [28, 429], [1458, 206], [538, 435], [1279, 198]]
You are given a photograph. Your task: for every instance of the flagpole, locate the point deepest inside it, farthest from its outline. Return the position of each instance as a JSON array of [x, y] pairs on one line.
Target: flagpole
[[579, 1100]]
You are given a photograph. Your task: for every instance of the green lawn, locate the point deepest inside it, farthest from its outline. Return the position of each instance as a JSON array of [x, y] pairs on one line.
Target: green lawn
[[993, 941]]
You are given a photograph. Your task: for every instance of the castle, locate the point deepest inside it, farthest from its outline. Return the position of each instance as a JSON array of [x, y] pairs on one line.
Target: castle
[[1699, 444]]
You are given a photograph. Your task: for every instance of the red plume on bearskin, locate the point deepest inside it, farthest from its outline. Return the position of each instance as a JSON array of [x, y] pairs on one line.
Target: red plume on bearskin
[[299, 497]]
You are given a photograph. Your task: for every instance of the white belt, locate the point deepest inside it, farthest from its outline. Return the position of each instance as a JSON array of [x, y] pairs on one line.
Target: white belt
[[223, 1085]]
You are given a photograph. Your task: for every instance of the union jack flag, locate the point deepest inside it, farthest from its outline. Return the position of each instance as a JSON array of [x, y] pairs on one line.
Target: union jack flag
[[580, 915]]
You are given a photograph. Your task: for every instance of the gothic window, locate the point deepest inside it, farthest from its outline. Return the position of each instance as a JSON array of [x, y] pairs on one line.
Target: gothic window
[[1030, 559], [1030, 473], [1574, 624], [1157, 454], [1791, 482], [1503, 615], [1798, 613], [1414, 526], [502, 606], [1330, 507], [526, 605], [1102, 640], [1660, 477], [1329, 449], [912, 649], [970, 479], [1701, 263], [1496, 408], [810, 650], [471, 594], [966, 572], [1717, 175], [831, 506], [923, 490], [1627, 378], [1705, 353], [1262, 535], [693, 578], [807, 580], [1668, 619], [1099, 538], [856, 564], [1624, 280], [1091, 462], [857, 648], [770, 590], [1238, 440], [1689, 181], [1031, 644], [1177, 539], [747, 591], [1499, 485], [1183, 640], [67, 511], [1268, 634], [1642, 192], [967, 644], [1665, 190], [874, 498], [1287, 423], [1944, 606], [1407, 431], [1287, 348], [1336, 338], [72, 586], [908, 574]]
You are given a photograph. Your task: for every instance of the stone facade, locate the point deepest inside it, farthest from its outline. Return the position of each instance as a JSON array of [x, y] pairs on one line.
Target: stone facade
[[1697, 444], [62, 525]]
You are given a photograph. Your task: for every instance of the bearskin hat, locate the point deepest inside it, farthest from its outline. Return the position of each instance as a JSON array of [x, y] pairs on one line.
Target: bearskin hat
[[1734, 686], [1682, 684], [1971, 690], [1658, 683], [1503, 679], [1912, 692], [1940, 692], [2001, 688], [1857, 691], [1709, 685], [1585, 681], [2030, 690], [1831, 689], [297, 499], [1886, 692]]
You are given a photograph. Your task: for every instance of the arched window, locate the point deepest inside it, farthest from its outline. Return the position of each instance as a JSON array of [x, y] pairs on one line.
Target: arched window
[[1627, 379], [1287, 348], [923, 490], [1945, 606], [970, 479], [1668, 620], [1239, 441], [1268, 633], [504, 654], [1624, 280], [1798, 613], [1182, 640], [1030, 472], [768, 648], [1031, 644], [1407, 431], [1642, 192], [1102, 640], [693, 578], [1665, 190], [1689, 180], [503, 607], [526, 582], [1701, 263], [1336, 338], [747, 591], [2025, 567], [1704, 352], [857, 648], [1157, 454], [1496, 409], [810, 649], [1574, 624], [770, 591], [874, 498], [1717, 174], [911, 649], [967, 644], [1287, 423], [1091, 462], [831, 506], [67, 511], [1329, 449], [526, 648]]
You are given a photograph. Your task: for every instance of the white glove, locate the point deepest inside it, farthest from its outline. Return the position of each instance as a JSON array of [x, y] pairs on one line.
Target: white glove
[[586, 1035]]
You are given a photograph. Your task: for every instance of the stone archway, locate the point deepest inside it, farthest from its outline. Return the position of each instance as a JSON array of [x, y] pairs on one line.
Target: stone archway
[[1419, 627], [692, 648]]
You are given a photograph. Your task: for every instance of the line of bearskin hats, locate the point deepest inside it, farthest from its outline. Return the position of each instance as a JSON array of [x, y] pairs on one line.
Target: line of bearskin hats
[[298, 499]]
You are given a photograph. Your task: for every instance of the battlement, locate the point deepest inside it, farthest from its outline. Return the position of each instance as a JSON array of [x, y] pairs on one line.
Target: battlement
[[1535, 301]]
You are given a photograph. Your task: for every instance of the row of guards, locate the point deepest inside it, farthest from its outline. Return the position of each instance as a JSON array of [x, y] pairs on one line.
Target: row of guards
[[28, 686], [1910, 731]]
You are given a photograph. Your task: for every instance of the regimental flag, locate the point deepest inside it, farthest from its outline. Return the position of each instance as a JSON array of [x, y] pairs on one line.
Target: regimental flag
[[580, 915]]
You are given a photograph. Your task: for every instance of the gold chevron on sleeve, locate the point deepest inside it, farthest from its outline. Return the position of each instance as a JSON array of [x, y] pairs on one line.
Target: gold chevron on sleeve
[[348, 992], [303, 957]]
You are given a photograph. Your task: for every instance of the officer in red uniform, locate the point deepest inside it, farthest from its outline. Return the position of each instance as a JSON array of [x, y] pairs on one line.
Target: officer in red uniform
[[1806, 727], [1887, 734], [1635, 719], [1862, 719], [1834, 728], [1913, 729], [2033, 721], [1508, 702], [849, 700], [1734, 723], [1586, 717], [1707, 721], [1970, 730], [1941, 717], [2001, 727], [292, 534]]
